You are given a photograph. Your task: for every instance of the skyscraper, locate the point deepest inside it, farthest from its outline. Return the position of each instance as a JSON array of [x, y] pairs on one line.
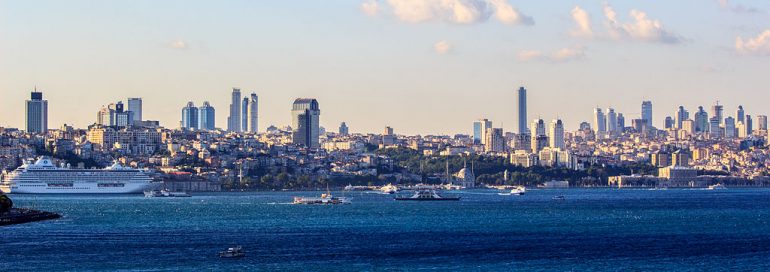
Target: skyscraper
[[612, 121], [539, 140], [234, 120], [495, 141], [253, 114], [762, 120], [556, 134], [344, 130], [730, 127], [600, 124], [621, 123], [305, 122], [135, 106], [245, 115], [740, 115], [207, 117], [717, 111], [681, 115], [647, 113], [669, 123], [36, 111], [521, 103], [479, 129], [190, 116], [701, 120], [749, 124]]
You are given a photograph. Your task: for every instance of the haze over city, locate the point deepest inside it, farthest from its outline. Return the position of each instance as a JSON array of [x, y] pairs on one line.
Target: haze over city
[[427, 66]]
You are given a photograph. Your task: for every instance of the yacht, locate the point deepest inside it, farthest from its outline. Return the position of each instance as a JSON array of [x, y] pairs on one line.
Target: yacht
[[389, 189], [165, 193], [426, 195], [43, 177], [233, 252], [717, 186]]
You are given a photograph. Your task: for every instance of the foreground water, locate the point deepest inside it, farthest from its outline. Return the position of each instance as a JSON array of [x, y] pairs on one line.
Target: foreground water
[[592, 229]]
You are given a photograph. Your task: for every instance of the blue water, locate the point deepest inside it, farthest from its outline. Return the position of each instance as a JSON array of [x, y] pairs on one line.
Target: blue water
[[593, 229]]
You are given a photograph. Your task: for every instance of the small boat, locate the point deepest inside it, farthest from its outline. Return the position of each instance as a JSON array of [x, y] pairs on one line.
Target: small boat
[[517, 190], [233, 252], [325, 199], [426, 195], [717, 186], [558, 197], [165, 193], [389, 189]]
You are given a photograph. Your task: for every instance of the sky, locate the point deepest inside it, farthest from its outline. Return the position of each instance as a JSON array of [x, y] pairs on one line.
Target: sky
[[419, 66]]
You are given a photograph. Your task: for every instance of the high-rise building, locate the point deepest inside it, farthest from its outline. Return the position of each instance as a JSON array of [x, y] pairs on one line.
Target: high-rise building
[[305, 122], [762, 120], [669, 123], [717, 111], [688, 126], [556, 134], [479, 129], [681, 115], [344, 130], [621, 123], [253, 113], [539, 140], [749, 124], [190, 116], [521, 104], [135, 106], [600, 124], [495, 140], [715, 131], [612, 121], [36, 113], [701, 120], [120, 117], [647, 113], [234, 120], [207, 117], [245, 115], [730, 127], [740, 115]]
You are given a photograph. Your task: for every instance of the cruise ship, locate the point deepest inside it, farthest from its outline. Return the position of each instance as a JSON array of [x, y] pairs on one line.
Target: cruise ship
[[43, 177]]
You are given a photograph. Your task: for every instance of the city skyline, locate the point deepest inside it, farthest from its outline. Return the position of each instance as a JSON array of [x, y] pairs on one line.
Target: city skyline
[[688, 61]]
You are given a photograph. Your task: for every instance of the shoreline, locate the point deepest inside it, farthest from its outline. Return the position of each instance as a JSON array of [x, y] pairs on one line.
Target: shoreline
[[22, 215]]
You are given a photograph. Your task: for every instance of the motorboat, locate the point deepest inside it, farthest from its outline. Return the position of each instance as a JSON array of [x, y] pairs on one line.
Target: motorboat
[[233, 252]]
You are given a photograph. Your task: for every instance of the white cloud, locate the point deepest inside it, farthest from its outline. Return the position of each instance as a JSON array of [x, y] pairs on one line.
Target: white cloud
[[510, 15], [641, 28], [442, 47], [759, 45], [178, 44], [583, 21], [527, 55], [737, 8], [370, 8], [457, 11], [560, 55]]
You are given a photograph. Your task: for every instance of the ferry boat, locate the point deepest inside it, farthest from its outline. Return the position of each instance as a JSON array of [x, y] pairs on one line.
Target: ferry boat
[[325, 199], [717, 186], [43, 177], [165, 193], [517, 190], [389, 189], [233, 252], [426, 195]]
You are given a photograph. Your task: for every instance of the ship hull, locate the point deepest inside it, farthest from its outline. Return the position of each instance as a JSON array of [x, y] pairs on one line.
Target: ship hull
[[76, 188]]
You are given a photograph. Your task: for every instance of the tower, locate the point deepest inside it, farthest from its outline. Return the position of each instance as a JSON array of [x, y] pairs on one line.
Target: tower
[[245, 115], [36, 113], [190, 116], [253, 114], [521, 104], [305, 121], [647, 113], [206, 117], [135, 106], [234, 120], [479, 129], [556, 134]]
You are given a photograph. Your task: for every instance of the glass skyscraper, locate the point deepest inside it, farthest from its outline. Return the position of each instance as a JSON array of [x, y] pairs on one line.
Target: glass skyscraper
[[36, 113], [305, 122]]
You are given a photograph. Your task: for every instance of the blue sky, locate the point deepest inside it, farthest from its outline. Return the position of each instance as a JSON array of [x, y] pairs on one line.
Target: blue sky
[[420, 66]]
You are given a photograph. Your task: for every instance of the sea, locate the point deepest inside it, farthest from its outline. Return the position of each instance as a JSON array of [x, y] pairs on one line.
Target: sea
[[589, 230]]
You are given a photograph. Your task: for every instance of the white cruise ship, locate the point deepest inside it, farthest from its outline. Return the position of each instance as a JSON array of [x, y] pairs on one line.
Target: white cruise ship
[[43, 177]]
